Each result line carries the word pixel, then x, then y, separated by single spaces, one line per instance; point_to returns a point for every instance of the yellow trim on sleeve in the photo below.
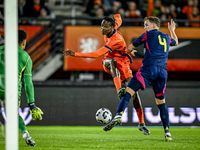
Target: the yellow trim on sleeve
pixel 20 76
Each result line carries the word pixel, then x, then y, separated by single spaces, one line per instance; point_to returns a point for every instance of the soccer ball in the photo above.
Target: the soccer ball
pixel 103 115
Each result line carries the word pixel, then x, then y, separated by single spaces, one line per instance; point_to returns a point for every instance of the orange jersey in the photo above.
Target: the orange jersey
pixel 187 10
pixel 115 43
pixel 194 24
pixel 115 47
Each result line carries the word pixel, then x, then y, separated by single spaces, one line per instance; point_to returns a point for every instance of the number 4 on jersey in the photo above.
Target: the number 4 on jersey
pixel 163 43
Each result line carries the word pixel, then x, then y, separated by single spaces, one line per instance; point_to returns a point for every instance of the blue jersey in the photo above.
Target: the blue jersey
pixel 156 46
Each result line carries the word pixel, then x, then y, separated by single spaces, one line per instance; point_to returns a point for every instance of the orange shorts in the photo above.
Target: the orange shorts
pixel 123 65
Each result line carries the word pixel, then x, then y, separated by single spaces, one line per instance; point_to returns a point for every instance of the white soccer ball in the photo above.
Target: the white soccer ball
pixel 103 115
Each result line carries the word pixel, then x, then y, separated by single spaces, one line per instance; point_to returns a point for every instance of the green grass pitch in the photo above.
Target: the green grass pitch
pixel 93 138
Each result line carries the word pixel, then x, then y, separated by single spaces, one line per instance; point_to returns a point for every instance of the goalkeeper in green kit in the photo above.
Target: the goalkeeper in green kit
pixel 25 70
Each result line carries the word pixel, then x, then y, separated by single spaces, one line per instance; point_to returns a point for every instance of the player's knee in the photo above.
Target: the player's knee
pixel 130 91
pixel 110 63
pixel 160 100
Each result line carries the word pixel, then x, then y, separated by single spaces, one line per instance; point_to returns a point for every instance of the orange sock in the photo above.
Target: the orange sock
pixel 117 82
pixel 140 115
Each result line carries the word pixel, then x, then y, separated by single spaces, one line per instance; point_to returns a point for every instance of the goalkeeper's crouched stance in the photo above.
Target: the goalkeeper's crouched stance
pixel 25 71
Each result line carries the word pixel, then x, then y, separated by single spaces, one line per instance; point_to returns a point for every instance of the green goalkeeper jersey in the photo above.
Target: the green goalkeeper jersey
pixel 24 69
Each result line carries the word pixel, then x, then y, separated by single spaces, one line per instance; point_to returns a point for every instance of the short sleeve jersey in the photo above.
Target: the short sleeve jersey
pixel 156 45
pixel 116 44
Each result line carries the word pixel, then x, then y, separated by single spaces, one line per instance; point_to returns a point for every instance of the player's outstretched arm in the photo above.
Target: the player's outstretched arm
pixel 95 54
pixel 172 27
pixel 130 49
pixel 68 52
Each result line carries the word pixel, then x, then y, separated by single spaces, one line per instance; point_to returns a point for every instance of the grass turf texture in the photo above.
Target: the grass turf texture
pixel 90 138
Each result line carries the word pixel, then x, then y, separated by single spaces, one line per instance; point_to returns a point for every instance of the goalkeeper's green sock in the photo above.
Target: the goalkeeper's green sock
pixel 22 126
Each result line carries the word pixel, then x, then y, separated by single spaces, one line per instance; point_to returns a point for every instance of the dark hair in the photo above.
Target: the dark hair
pixel 21 35
pixel 111 20
pixel 153 19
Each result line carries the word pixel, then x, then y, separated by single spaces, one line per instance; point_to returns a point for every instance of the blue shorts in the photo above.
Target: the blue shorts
pixel 156 76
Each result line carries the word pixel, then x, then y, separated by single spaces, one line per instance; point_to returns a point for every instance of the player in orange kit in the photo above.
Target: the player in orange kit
pixel 116 62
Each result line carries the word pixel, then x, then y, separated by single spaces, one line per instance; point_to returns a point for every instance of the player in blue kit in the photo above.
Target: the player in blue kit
pixel 153 71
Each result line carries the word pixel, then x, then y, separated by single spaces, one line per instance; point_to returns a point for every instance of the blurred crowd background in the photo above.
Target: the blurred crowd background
pixel 129 9
pixel 164 9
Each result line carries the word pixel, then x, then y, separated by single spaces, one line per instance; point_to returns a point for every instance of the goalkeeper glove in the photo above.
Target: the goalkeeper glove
pixel 36 112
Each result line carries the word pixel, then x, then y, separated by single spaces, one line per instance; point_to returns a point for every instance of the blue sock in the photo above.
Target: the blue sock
pixel 123 104
pixel 164 116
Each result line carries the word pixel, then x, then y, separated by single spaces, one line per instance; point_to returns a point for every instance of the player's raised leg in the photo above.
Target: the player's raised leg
pixel 118 118
pixel 117 121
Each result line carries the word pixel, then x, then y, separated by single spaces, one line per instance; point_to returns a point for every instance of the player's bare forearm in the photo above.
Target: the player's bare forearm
pixel 130 48
pixel 172 27
pixel 68 52
pixel 173 35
